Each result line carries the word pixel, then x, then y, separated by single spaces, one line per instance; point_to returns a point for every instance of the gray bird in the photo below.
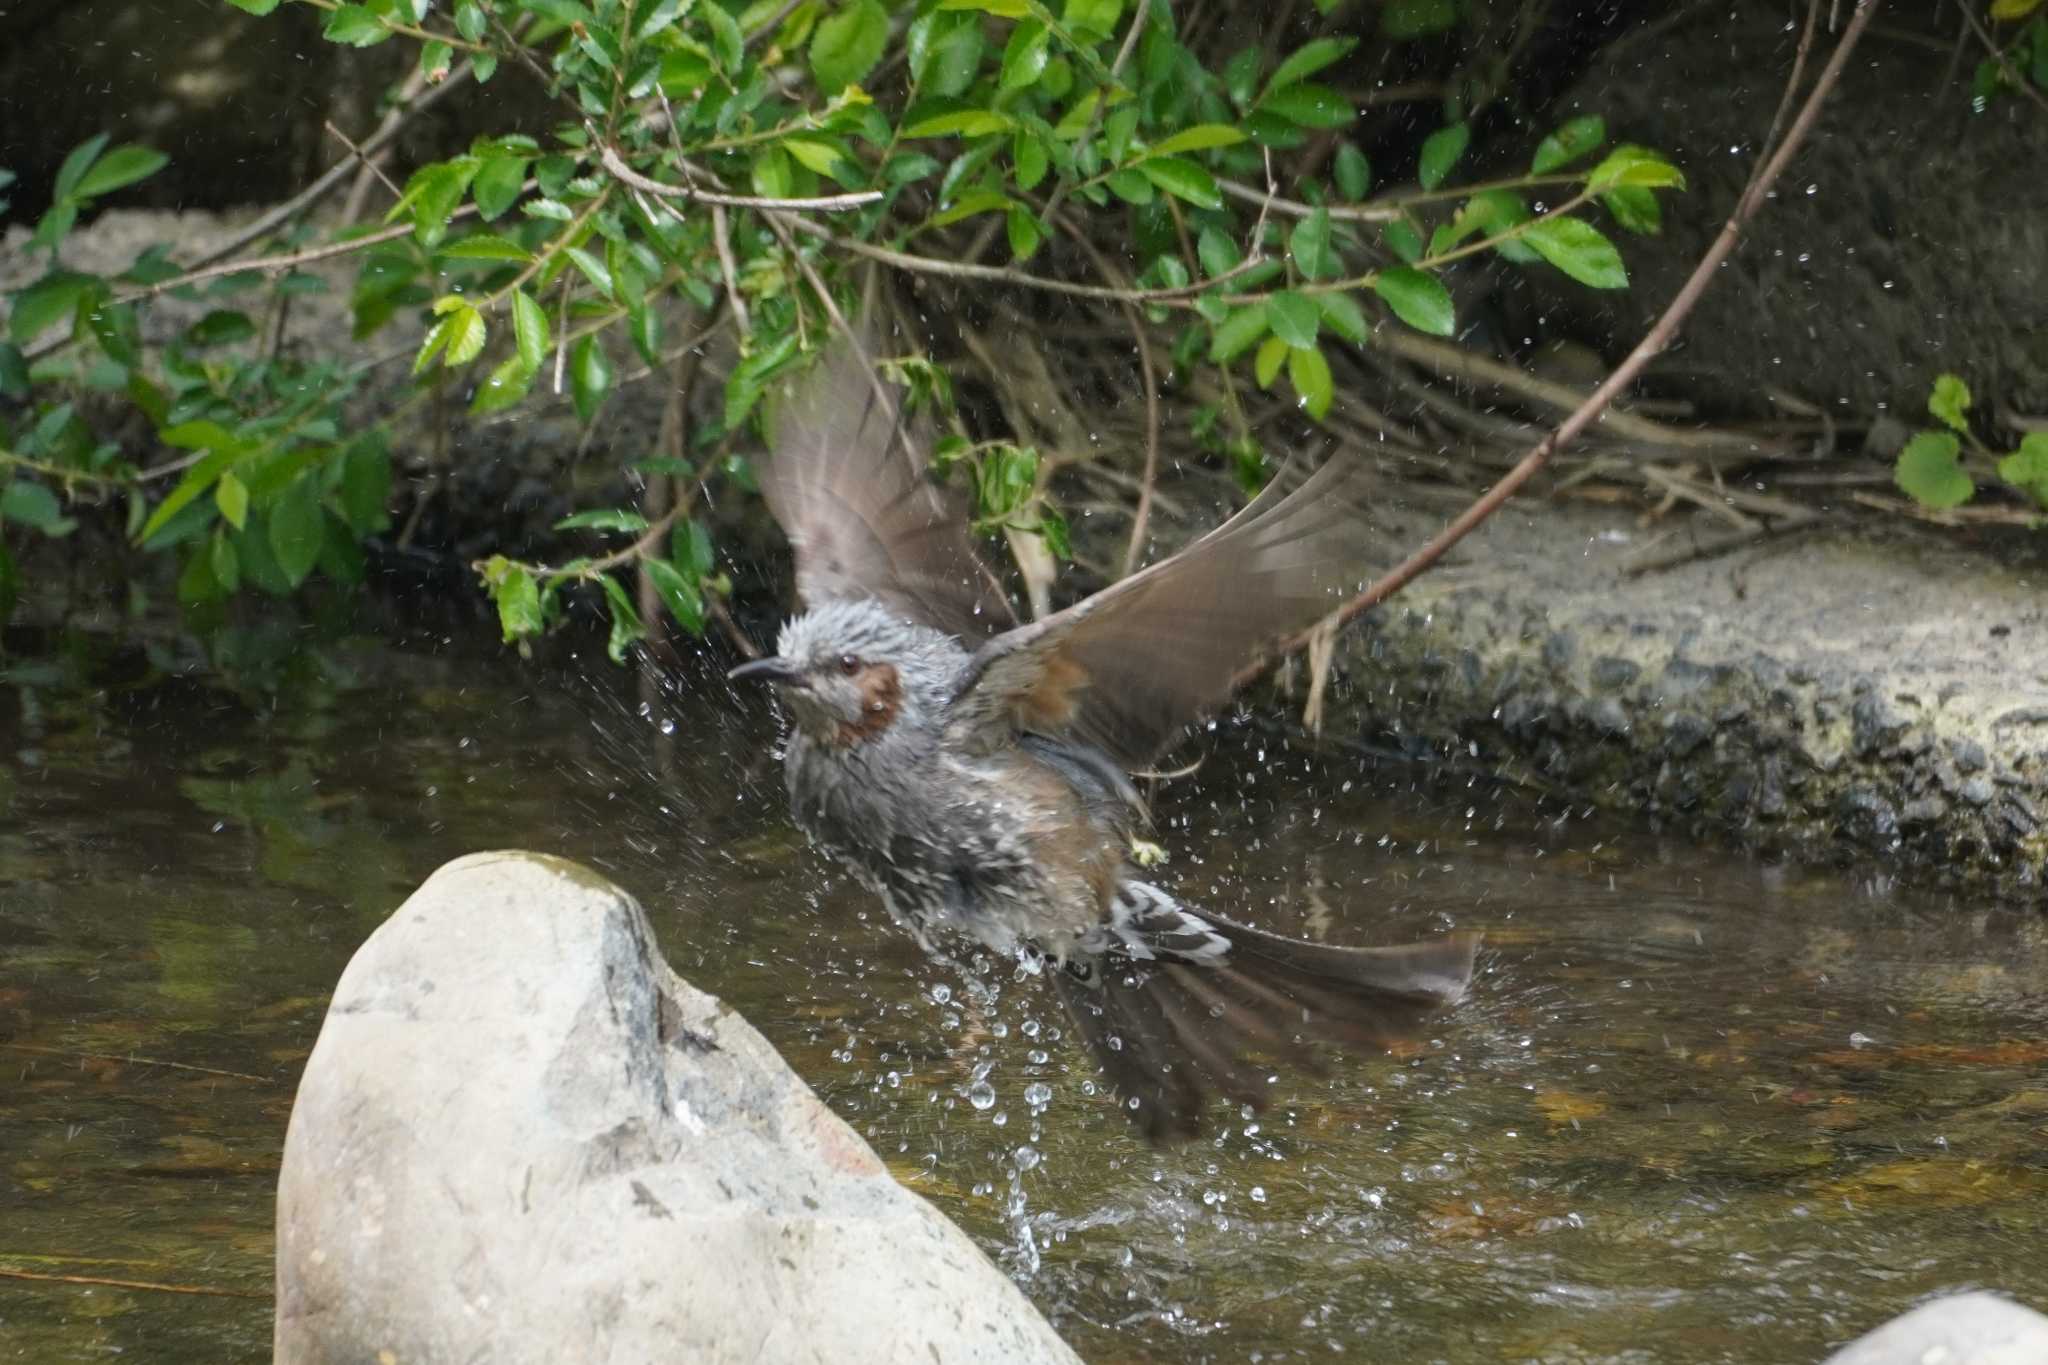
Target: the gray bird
pixel 973 772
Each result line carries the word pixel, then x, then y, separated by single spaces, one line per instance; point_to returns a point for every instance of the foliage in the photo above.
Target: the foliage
pixel 728 166
pixel 1933 468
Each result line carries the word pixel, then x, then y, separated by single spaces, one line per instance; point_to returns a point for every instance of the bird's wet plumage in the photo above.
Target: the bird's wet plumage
pixel 973 772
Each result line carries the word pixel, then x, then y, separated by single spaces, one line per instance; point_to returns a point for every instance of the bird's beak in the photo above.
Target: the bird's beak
pixel 771 669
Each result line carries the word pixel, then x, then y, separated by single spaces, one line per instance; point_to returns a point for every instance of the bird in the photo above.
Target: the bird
pixel 976 772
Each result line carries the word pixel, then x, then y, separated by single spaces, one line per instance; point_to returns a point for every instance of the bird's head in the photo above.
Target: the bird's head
pixel 852 672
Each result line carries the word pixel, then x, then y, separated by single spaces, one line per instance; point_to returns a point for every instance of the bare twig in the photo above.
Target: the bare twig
pixel 2005 66
pixel 288 261
pixel 151 1285
pixel 132 1060
pixel 721 236
pixel 965 270
pixel 1720 545
pixel 1658 337
pixel 369 167
pixel 1141 519
pixel 1454 362
pixel 827 203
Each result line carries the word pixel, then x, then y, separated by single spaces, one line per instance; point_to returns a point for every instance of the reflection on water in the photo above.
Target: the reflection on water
pixel 1697 1110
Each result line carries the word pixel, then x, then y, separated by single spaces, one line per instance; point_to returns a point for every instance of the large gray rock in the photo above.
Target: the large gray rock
pixel 521 1137
pixel 1962 1329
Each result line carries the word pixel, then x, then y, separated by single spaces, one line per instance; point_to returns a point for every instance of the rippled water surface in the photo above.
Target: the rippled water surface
pixel 1697 1109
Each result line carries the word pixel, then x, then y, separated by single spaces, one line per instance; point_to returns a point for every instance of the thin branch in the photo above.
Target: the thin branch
pixel 132 1060
pixel 721 237
pixel 1141 519
pixel 1139 13
pixel 289 261
pixel 369 167
pixel 1454 362
pixel 2005 66
pixel 151 1285
pixel 1658 337
pixel 964 270
pixel 1294 208
pixel 826 203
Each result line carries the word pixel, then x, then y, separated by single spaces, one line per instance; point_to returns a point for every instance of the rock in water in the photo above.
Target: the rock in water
pixel 521 1137
pixel 1961 1329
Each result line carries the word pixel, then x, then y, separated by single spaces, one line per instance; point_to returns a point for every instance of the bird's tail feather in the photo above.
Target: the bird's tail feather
pixel 1178 1005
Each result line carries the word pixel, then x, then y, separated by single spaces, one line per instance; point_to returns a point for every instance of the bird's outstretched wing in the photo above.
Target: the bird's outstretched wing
pixel 845 477
pixel 1127 669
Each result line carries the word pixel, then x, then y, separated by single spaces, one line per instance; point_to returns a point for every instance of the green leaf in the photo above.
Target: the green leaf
pixel 433 192
pixel 123 166
pixel 1200 138
pixel 486 246
pixel 1352 172
pixel 529 330
pixel 603 519
pixel 366 484
pixel 1441 151
pixel 1309 106
pixel 1024 231
pixel 221 327
pixel 945 53
pixel 509 381
pixel 1403 240
pixel 1627 165
pixel 517 596
pixel 1183 180
pixel 231 496
pixel 1310 375
pixel 14 379
pixel 1950 401
pixel 965 123
pixel 1309 245
pixel 1418 299
pixel 1029 157
pixel 2027 467
pixel 1342 315
pixel 197 480
pixel 1131 186
pixel 497 185
pixel 1577 248
pixel 1002 9
pixel 297 528
pixel 1635 209
pixel 1026 54
pixel 1308 59
pixel 48 301
pixel 1928 473
pixel 683 598
pixel 31 504
pixel 626 626
pixel 590 376
pixel 969 206
pixel 1403 20
pixel 76 164
pixel 259 8
pixel 689 545
pixel 845 46
pixel 1266 364
pixel 1236 333
pixel 1218 253
pixel 458 337
pixel 1293 317
pixel 684 71
pixel 355 25
pixel 726 42
pixel 1092 18
pixel 226 564
pixel 1572 140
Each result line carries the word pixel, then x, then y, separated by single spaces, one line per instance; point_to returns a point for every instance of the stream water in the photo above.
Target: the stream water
pixel 1697 1108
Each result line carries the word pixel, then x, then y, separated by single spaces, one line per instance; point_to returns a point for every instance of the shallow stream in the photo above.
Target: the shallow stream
pixel 1697 1109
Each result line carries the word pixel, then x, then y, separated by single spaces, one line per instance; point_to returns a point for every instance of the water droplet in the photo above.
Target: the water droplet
pixel 1038 1095
pixel 981 1095
pixel 1258 1194
pixel 1026 1157
pixel 942 993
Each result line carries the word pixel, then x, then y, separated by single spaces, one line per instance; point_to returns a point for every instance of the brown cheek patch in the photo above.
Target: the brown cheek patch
pixel 881 697
pixel 1049 706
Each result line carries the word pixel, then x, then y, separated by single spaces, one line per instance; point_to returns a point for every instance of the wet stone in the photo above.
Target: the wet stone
pixel 521 1137
pixel 1968 756
pixel 1607 716
pixel 1962 1329
pixel 1558 649
pixel 1685 732
pixel 1976 790
pixel 1611 673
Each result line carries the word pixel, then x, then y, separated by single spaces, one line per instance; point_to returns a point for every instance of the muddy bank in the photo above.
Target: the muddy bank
pixel 1881 703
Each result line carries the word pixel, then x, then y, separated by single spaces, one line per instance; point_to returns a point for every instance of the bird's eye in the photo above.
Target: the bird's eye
pixel 849 665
